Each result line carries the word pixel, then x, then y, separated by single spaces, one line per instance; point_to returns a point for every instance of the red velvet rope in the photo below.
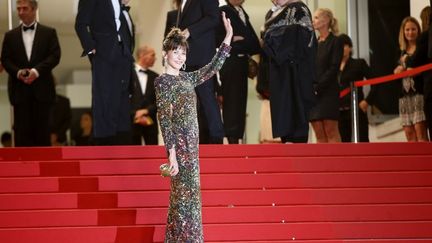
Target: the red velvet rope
pixel 387 78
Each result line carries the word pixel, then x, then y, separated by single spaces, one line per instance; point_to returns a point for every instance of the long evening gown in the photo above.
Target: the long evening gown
pixel 176 103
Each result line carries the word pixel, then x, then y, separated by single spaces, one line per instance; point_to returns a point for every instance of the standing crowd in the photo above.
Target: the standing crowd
pixel 304 62
pixel 300 73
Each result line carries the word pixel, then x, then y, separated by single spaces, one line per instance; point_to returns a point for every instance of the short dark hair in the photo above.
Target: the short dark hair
pixel 174 40
pixel 6 136
pixel 33 3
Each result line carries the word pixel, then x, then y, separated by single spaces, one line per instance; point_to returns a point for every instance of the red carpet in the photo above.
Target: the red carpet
pixel 252 193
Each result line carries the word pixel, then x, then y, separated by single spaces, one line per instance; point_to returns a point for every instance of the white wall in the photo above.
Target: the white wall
pixel 416 8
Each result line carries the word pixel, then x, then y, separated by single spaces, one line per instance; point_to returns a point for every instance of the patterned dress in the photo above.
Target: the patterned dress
pixel 176 103
pixel 411 104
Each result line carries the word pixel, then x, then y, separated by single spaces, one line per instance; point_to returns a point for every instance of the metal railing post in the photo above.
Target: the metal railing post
pixel 354 114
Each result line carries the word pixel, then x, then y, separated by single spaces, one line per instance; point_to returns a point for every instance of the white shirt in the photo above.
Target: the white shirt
pixel 183 4
pixel 28 39
pixel 128 20
pixel 142 77
pixel 116 6
pixel 241 14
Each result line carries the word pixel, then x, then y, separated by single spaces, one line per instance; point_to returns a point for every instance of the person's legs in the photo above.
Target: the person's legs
pixel 421 131
pixel 22 125
pixel 410 133
pixel 136 134
pixel 363 127
pixel 210 109
pixel 234 80
pixel 332 131
pixel 318 127
pixel 150 136
pixel 345 125
pixel 40 123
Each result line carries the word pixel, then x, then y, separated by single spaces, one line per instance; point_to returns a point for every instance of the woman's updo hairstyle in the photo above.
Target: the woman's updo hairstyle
pixel 175 39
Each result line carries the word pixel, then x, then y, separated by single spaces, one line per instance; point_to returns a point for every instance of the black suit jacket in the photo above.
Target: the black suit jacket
pixel 201 18
pixel 44 57
pixel 96 29
pixel 171 21
pixel 421 57
pixel 250 45
pixel 147 100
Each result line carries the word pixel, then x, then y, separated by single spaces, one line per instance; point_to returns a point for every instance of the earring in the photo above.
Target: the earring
pixel 184 66
pixel 163 62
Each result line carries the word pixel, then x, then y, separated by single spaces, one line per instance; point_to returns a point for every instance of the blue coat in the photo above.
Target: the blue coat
pixel 111 65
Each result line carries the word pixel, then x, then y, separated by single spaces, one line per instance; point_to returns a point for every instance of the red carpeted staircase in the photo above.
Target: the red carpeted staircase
pixel 251 193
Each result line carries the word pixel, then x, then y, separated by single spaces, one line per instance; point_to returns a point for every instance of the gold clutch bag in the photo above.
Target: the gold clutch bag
pixel 165 170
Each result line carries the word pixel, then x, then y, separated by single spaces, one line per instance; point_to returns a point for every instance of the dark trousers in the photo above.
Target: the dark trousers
pixel 345 126
pixel 120 138
pixel 209 118
pixel 149 134
pixel 31 123
pixel 110 96
pixel 234 78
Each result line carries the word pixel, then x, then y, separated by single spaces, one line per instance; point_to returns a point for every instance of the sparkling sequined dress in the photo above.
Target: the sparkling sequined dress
pixel 176 103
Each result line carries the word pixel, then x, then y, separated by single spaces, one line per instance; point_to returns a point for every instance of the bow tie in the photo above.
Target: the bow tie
pixel 124 7
pixel 143 71
pixel 31 27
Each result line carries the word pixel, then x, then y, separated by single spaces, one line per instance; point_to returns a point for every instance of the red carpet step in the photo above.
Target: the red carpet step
pixel 251 193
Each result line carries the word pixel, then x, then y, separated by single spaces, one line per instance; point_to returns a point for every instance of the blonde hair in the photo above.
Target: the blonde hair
pixel 403 43
pixel 425 17
pixel 333 22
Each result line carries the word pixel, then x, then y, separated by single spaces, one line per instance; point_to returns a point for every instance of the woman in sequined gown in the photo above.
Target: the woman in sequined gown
pixel 176 103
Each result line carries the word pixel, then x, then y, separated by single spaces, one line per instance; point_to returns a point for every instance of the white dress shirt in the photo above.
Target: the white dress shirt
pixel 116 6
pixel 129 21
pixel 117 9
pixel 28 39
pixel 241 14
pixel 142 77
pixel 183 4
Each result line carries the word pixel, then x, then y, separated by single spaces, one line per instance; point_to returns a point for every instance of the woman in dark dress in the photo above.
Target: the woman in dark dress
pixel 290 44
pixel 234 73
pixel 325 114
pixel 352 70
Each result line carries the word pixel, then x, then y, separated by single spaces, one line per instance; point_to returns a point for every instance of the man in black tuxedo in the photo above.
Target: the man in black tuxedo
pixel 234 73
pixel 29 54
pixel 143 99
pixel 105 30
pixel 199 19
